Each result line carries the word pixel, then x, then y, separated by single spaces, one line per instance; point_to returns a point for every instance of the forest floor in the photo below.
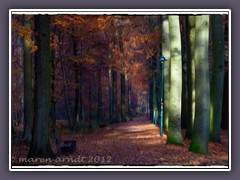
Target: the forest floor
pixel 135 142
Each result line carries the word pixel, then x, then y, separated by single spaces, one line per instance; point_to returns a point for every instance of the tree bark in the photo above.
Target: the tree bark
pixel 166 53
pixel 129 99
pixel 81 114
pixel 225 106
pixel 40 146
pixel 66 97
pixel 123 98
pixel 217 83
pixel 191 74
pixel 200 135
pixel 110 96
pixel 76 116
pixel 99 104
pixel 89 100
pixel 28 90
pixel 151 100
pixel 175 96
pixel 53 102
pixel 123 79
pixel 114 97
pixel 184 111
pixel 152 94
pixel 155 105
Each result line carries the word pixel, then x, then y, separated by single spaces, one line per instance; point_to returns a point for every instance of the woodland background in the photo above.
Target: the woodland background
pixel 102 70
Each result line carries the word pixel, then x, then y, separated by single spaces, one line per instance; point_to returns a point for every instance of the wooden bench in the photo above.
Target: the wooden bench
pixel 68 146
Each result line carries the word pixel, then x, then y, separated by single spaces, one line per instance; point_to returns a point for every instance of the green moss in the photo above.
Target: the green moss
pixel 174 138
pixel 197 148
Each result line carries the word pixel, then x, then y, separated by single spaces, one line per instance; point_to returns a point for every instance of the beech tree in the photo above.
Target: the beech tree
pixel 75 117
pixel 123 78
pixel 166 53
pixel 28 90
pixel 217 83
pixel 95 70
pixel 200 134
pixel 191 74
pixel 40 146
pixel 174 126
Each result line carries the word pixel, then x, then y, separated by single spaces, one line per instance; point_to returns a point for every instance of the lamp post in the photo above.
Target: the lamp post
pixel 162 59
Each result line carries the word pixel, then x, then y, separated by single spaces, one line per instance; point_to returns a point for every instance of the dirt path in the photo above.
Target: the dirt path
pixel 138 143
pixel 132 143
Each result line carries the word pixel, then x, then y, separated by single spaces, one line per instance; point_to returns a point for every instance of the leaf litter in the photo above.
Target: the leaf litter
pixel 133 143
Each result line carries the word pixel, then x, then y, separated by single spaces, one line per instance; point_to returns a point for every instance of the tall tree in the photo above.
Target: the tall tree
pixel 110 95
pixel 66 90
pixel 115 115
pixel 154 78
pixel 217 83
pixel 166 53
pixel 174 127
pixel 123 97
pixel 200 135
pixel 53 78
pixel 75 116
pixel 28 90
pixel 225 104
pixel 53 101
pixel 150 100
pixel 114 96
pixel 155 104
pixel 159 73
pixel 190 74
pixel 90 99
pixel 81 114
pixel 123 79
pixel 184 109
pixel 129 99
pixel 99 101
pixel 40 146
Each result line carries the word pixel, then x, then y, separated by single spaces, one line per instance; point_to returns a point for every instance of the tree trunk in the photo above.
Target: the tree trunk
pixel 123 80
pixel 158 89
pixel 151 100
pixel 75 117
pixel 155 106
pixel 129 99
pixel 174 129
pixel 184 111
pixel 217 83
pixel 53 102
pixel 81 115
pixel 166 53
pixel 158 76
pixel 40 146
pixel 99 104
pixel 114 97
pixel 191 74
pixel 200 135
pixel 110 96
pixel 123 98
pixel 28 90
pixel 66 98
pixel 89 100
pixel 225 106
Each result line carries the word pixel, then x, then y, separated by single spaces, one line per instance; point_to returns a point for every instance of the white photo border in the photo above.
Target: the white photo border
pixel 119 12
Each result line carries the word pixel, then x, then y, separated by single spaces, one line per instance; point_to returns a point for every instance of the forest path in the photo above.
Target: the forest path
pixel 138 142
pixel 131 143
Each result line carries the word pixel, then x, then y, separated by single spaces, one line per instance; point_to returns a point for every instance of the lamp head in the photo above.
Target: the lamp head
pixel 162 58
